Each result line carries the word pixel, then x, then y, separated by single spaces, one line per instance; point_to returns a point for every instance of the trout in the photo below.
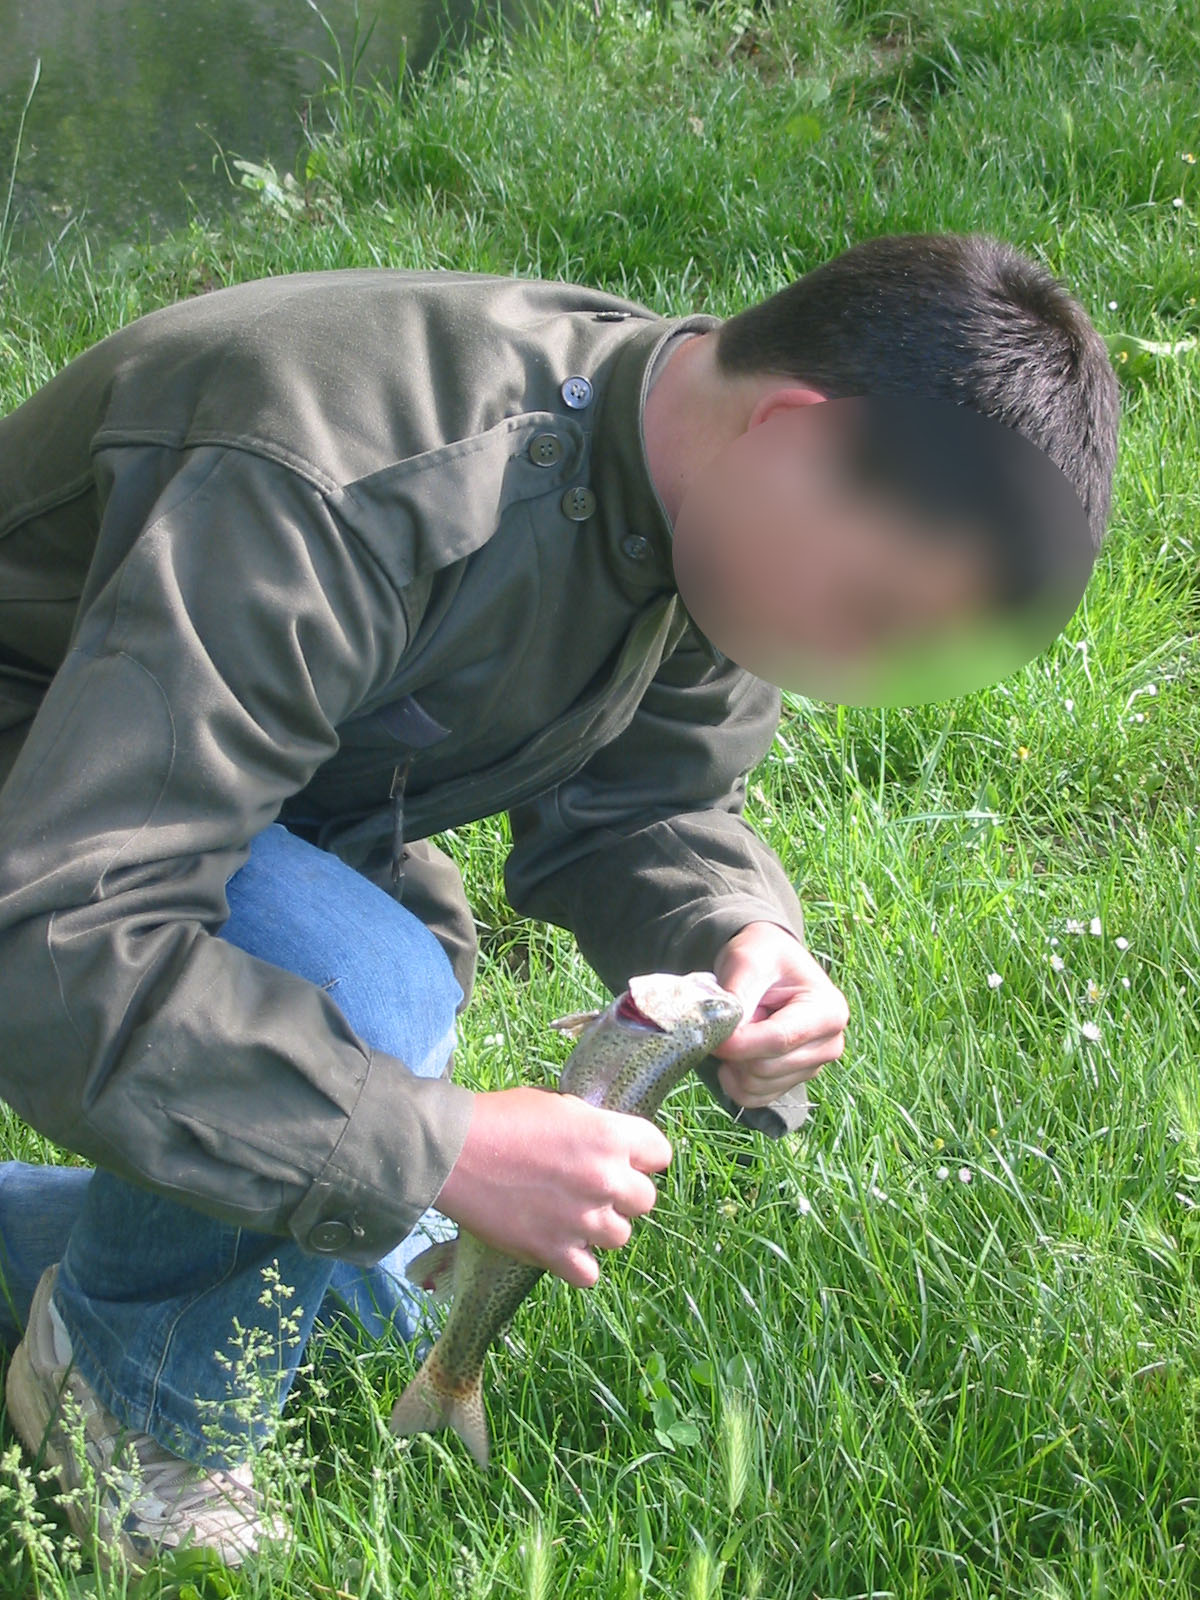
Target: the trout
pixel 628 1058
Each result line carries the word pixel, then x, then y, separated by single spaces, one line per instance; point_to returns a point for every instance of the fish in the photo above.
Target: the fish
pixel 628 1058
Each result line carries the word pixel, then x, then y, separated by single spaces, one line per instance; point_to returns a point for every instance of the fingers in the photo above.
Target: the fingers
pixel 795 1017
pixel 628 1192
pixel 802 1062
pixel 761 1089
pixel 623 1151
pixel 579 1267
pixel 766 1074
pixel 649 1147
pixel 632 1194
pixel 801 1030
pixel 550 1179
pixel 609 1230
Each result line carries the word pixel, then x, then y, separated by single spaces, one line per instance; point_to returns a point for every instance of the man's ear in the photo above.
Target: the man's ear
pixel 782 399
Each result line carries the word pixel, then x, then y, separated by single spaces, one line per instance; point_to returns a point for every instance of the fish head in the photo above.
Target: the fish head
pixel 646 1039
pixel 668 1003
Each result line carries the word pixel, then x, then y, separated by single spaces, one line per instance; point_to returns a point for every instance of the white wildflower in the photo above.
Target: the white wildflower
pixel 1122 943
pixel 1074 925
pixel 964 1174
pixel 1091 1031
pixel 994 980
pixel 942 1174
pixel 1057 962
pixel 1094 927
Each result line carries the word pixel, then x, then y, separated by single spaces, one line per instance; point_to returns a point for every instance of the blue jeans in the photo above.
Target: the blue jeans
pixel 171 1318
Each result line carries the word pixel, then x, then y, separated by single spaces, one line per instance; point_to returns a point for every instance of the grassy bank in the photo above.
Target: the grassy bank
pixel 944 1344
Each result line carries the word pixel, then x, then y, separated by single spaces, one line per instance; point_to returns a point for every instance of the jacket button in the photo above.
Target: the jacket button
pixel 545 449
pixel 576 393
pixel 329 1237
pixel 578 503
pixel 610 316
pixel 635 547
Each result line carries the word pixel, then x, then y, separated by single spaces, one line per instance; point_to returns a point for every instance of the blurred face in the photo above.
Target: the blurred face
pixel 808 581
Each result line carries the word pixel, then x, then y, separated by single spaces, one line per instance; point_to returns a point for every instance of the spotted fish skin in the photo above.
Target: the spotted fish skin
pixel 628 1058
pixel 448 1390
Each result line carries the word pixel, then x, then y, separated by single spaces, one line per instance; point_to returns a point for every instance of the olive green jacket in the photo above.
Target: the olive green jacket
pixel 266 554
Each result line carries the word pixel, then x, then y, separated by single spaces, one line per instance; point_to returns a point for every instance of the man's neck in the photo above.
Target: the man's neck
pixel 692 412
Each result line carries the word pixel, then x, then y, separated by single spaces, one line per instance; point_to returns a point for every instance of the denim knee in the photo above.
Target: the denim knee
pixel 400 994
pixel 299 907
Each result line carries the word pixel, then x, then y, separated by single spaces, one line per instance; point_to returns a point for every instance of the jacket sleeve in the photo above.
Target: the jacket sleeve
pixel 644 855
pixel 208 672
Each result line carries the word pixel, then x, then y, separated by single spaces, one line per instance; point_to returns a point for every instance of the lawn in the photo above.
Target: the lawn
pixel 944 1342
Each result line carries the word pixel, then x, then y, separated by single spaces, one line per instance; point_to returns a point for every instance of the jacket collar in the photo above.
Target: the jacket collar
pixel 627 499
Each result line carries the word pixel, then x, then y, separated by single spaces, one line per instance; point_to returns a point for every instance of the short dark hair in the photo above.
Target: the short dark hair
pixel 958 317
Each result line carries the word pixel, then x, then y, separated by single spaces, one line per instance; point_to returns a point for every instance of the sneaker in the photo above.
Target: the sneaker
pixel 128 1492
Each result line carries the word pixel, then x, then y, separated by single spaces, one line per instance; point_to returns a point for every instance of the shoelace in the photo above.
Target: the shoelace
pixel 226 1495
pixel 237 1506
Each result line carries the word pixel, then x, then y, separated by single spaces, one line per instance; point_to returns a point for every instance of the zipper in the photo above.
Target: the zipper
pixel 396 803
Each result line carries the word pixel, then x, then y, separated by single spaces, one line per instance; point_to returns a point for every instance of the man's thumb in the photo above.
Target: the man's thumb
pixel 747 972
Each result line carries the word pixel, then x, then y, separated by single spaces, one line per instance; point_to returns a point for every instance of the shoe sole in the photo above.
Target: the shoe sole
pixel 28 1409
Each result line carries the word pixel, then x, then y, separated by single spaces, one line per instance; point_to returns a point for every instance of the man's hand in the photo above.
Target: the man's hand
pixel 794 1016
pixel 549 1179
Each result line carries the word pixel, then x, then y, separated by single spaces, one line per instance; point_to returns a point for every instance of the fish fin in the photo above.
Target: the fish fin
pixel 433 1269
pixel 422 1408
pixel 575 1023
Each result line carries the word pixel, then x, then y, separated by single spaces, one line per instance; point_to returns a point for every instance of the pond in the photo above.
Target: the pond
pixel 137 99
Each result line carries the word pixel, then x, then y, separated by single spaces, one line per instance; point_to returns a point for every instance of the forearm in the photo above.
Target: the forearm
pixel 223 1081
pixel 193 702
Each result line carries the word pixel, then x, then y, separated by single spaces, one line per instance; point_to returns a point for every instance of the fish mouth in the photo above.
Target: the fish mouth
pixel 628 1013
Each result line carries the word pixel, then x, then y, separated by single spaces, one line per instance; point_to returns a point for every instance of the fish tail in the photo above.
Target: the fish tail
pixel 424 1408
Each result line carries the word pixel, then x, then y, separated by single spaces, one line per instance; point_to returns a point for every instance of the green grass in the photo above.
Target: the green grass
pixel 833 1367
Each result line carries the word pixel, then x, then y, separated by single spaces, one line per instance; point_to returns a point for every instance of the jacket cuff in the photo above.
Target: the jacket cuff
pixel 396 1151
pixel 781 1117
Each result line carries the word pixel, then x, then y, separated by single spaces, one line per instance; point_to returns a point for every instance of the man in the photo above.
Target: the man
pixel 306 570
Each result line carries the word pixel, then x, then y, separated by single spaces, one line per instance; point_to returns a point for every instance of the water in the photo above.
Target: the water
pixel 138 97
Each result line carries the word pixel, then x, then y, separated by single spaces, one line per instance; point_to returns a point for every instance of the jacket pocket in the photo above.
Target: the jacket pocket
pixel 425 513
